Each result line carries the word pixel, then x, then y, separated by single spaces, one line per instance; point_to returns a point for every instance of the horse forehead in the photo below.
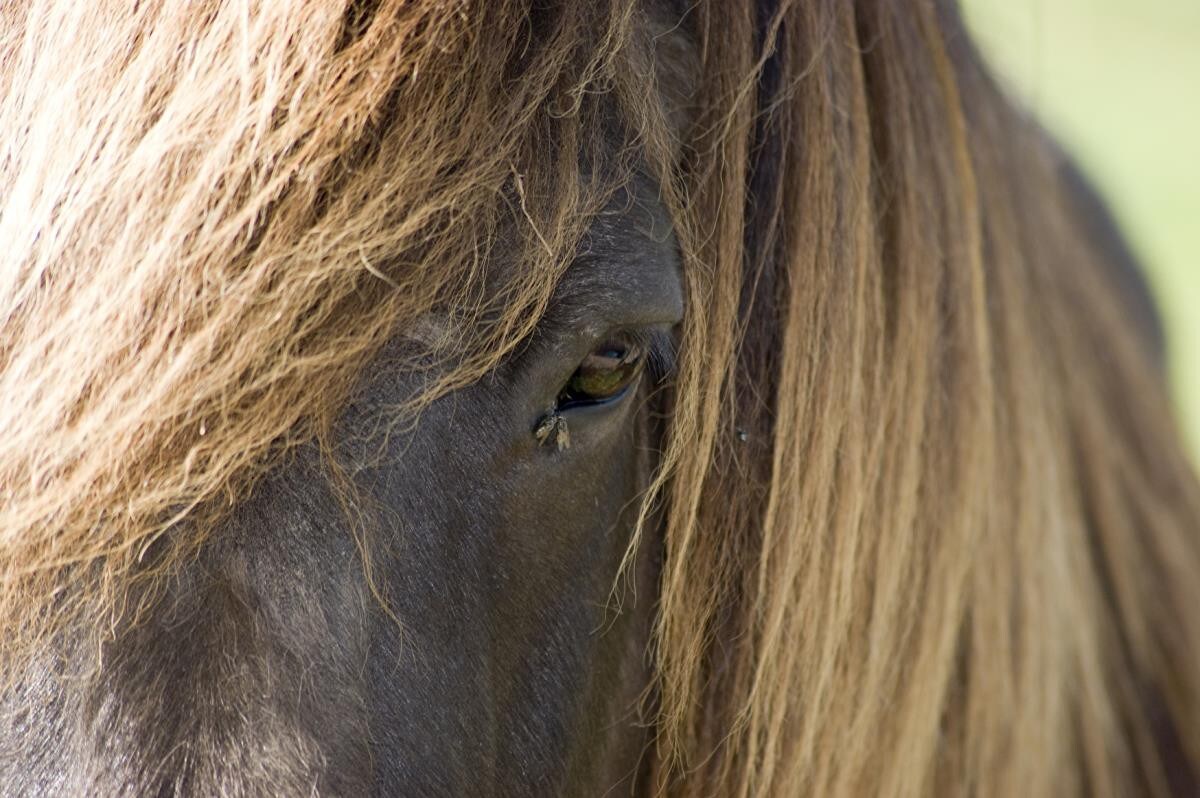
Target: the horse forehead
pixel 676 61
pixel 432 330
pixel 629 247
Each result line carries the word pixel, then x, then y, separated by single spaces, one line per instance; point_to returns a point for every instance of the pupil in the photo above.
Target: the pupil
pixel 603 374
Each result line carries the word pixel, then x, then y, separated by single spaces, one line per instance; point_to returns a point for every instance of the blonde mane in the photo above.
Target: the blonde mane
pixel 929 526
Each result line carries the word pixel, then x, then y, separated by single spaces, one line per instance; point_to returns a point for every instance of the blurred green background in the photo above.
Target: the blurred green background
pixel 1118 81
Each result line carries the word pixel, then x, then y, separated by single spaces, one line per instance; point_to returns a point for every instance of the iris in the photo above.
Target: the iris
pixel 603 375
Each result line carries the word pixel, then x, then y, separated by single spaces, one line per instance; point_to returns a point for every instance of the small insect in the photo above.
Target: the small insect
pixel 553 426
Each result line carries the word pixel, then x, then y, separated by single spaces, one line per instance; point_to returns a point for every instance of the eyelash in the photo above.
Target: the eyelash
pixel 659 347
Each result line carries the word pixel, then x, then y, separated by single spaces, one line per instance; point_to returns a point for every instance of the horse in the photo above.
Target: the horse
pixel 506 397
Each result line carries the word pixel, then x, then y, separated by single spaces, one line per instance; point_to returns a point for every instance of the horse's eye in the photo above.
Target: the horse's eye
pixel 603 375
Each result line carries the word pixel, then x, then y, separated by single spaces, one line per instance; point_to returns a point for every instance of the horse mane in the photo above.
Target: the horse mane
pixel 929 525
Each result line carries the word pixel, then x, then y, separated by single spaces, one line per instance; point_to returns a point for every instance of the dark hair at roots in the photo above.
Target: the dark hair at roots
pixel 956 552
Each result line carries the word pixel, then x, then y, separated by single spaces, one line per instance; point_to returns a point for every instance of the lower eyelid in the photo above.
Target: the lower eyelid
pixel 607 401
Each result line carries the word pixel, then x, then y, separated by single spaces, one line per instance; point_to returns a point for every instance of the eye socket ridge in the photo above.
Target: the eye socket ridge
pixel 607 373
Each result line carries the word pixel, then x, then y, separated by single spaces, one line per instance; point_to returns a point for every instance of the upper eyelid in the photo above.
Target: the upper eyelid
pixel 659 347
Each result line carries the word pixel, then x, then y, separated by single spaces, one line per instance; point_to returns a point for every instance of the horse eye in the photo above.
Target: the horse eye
pixel 603 375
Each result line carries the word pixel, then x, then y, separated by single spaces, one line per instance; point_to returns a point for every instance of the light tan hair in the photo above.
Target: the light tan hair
pixel 929 526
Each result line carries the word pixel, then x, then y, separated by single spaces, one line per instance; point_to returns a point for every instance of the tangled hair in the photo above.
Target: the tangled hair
pixel 957 550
